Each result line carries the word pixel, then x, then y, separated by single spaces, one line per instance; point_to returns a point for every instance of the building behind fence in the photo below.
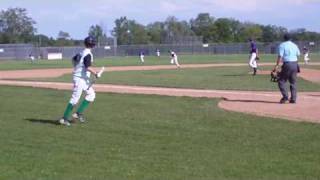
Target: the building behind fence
pixel 25 51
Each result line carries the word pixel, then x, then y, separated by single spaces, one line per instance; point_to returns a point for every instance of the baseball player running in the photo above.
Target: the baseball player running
pixel 174 58
pixel 81 82
pixel 253 56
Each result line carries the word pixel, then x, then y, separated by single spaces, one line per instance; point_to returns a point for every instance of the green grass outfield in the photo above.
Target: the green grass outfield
pixel 218 78
pixel 149 60
pixel 149 137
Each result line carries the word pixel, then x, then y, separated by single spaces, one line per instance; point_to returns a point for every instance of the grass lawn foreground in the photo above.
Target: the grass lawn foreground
pixel 149 137
pixel 153 137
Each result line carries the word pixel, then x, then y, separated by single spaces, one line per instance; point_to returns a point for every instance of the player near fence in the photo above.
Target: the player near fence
pixel 141 55
pixel 174 58
pixel 254 56
pixel 158 53
pixel 32 59
pixel 306 58
pixel 82 70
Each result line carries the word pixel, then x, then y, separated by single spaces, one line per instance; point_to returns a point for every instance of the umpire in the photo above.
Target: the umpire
pixel 288 54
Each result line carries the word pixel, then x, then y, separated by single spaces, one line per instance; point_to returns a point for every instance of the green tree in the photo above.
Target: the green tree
pixel 42 40
pixel 122 31
pixel 268 33
pixel 235 29
pixel 202 25
pixel 156 32
pixel 212 30
pixel 97 32
pixel 139 34
pixel 175 30
pixel 63 35
pixel 222 30
pixel 16 26
pixel 271 33
pixel 64 39
pixel 130 32
pixel 251 30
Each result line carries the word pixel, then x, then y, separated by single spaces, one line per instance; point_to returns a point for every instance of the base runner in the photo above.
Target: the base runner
pixel 81 82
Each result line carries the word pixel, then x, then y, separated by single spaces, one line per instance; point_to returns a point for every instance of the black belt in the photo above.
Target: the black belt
pixel 290 62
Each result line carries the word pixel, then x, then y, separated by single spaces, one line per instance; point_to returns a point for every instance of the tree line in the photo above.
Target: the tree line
pixel 17 27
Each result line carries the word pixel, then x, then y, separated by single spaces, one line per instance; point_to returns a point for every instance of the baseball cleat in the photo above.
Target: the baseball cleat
pixel 79 117
pixel 283 100
pixel 254 71
pixel 62 121
pixel 292 101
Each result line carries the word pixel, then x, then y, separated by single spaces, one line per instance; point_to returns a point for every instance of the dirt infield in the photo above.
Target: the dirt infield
pixel 258 103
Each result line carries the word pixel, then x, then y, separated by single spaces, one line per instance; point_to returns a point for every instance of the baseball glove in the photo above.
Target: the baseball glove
pixel 275 75
pixel 257 58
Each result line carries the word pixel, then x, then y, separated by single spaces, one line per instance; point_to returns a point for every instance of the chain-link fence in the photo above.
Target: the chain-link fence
pixel 15 51
pixel 25 51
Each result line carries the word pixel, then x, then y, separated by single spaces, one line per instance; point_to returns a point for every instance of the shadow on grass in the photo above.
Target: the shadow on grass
pixel 250 101
pixel 42 121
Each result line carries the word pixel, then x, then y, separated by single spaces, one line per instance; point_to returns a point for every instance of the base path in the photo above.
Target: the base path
pixel 252 102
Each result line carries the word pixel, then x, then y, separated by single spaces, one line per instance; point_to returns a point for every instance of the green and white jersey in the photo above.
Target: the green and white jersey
pixel 80 68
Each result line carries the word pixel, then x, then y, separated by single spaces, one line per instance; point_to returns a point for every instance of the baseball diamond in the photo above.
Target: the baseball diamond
pixel 124 124
pixel 176 90
pixel 235 101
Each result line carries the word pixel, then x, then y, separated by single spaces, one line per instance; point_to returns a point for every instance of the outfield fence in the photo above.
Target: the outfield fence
pixel 25 51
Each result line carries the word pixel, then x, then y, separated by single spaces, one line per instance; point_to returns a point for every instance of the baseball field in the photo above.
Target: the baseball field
pixel 211 119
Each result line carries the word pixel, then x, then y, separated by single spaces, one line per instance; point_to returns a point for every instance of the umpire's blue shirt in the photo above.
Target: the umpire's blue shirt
pixel 289 51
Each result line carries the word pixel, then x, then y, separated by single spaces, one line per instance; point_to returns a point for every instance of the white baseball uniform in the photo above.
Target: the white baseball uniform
pixel 252 61
pixel 253 55
pixel 174 59
pixel 81 78
pixel 306 55
pixel 142 57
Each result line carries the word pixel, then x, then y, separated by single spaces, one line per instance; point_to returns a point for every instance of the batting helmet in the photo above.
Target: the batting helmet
pixel 89 42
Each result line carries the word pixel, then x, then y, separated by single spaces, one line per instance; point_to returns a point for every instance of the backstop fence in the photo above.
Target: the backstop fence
pixel 26 51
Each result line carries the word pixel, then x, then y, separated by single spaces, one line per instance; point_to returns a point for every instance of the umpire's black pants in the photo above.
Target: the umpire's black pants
pixel 288 72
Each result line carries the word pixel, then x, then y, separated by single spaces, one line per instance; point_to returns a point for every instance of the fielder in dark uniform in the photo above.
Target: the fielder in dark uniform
pixel 288 54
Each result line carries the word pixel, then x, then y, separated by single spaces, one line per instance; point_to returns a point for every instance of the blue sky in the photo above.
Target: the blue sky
pixel 76 16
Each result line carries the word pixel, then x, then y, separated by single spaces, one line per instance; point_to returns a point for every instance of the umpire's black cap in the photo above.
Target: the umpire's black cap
pixel 287 37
